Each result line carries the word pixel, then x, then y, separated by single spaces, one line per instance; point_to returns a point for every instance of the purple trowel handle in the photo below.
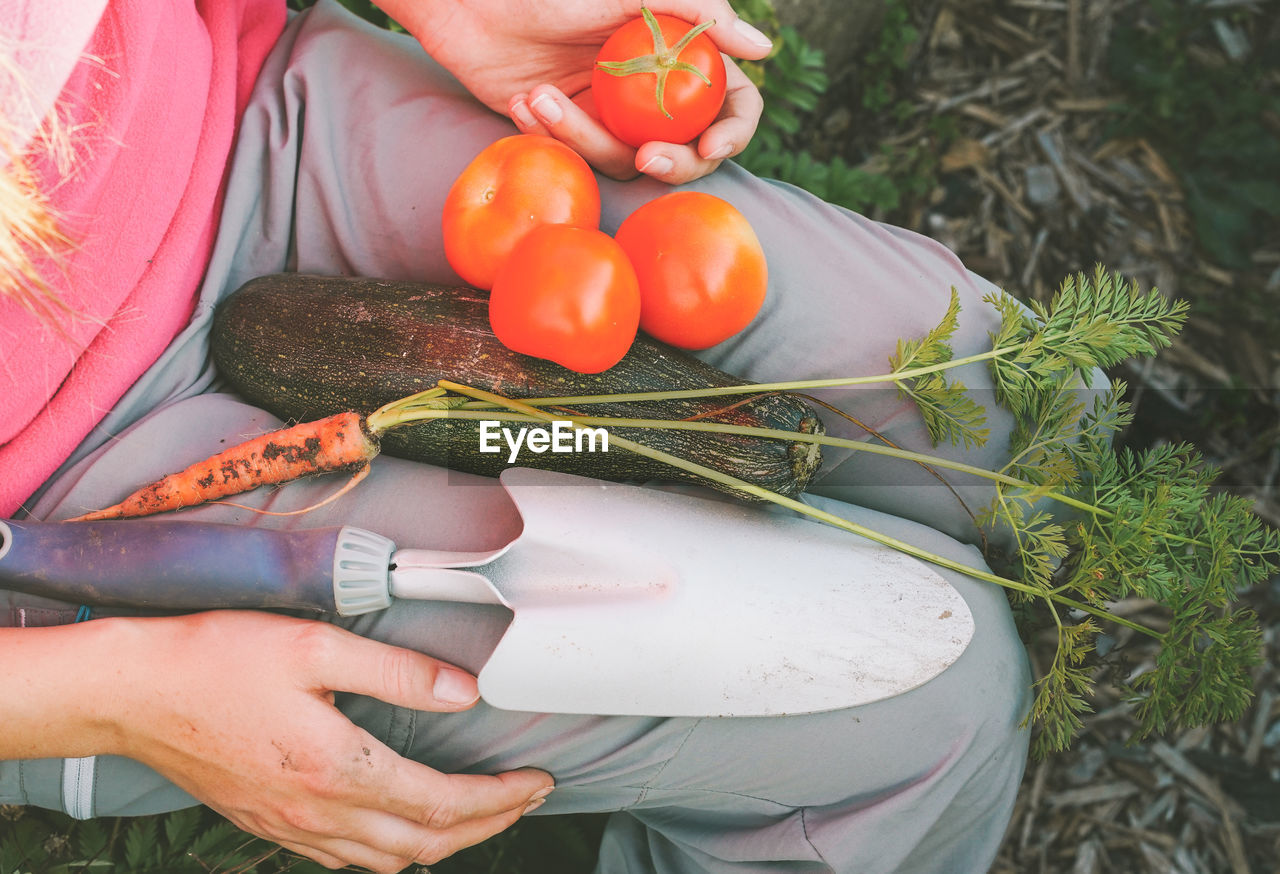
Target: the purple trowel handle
pixel 174 565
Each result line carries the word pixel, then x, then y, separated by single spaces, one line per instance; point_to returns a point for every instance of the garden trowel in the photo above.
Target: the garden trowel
pixel 625 599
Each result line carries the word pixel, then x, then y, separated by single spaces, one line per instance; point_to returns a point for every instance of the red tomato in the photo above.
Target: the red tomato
pixel 511 187
pixel 680 102
pixel 701 269
pixel 569 295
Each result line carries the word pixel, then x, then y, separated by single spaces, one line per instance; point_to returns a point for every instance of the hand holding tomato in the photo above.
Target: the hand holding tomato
pixel 658 78
pixel 533 60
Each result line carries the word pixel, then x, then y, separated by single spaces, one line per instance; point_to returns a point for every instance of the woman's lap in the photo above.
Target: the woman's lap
pixel 858 788
pixel 344 160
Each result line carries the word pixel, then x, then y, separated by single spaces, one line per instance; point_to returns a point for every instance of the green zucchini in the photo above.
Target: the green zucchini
pixel 303 347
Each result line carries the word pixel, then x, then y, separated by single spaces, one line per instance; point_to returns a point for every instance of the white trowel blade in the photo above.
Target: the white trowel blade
pixel 630 600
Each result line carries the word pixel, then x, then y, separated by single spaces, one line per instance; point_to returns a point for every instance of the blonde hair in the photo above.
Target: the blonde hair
pixel 32 240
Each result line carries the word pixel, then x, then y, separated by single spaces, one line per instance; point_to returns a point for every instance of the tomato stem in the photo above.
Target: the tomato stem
pixel 663 60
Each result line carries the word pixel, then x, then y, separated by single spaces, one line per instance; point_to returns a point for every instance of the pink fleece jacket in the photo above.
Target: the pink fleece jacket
pixel 152 100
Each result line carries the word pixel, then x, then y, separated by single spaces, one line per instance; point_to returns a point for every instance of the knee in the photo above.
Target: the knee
pixel 986 694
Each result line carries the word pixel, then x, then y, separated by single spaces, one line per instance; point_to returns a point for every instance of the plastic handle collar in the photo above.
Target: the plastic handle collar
pixel 361 567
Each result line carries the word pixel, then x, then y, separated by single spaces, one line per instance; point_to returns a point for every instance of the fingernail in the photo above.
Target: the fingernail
pixel 537 799
pixel 752 35
pixel 455 687
pixel 520 112
pixel 546 108
pixel 723 152
pixel 658 165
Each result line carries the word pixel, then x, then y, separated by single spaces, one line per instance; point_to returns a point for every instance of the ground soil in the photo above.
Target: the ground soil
pixel 1027 187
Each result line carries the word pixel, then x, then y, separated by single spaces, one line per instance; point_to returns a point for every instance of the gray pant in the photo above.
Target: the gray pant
pixel 345 155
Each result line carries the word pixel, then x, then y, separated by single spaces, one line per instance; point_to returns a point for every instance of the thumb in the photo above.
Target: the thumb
pixel 347 662
pixel 731 34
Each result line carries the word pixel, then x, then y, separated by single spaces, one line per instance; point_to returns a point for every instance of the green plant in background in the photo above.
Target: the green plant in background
pixel 835 181
pixel 793 80
pixel 1206 118
pixel 887 58
pixel 196 840
pixel 366 9
pixel 191 841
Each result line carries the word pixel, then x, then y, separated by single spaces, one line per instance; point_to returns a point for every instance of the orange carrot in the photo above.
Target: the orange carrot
pixel 340 442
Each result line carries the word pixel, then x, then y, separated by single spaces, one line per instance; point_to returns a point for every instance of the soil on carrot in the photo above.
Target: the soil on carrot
pixel 337 443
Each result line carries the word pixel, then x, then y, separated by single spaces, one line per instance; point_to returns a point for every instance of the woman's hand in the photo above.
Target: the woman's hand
pixel 237 708
pixel 532 59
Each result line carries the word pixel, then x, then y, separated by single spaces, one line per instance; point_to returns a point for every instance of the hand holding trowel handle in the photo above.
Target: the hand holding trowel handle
pixel 273 755
pixel 603 622
pixel 599 626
